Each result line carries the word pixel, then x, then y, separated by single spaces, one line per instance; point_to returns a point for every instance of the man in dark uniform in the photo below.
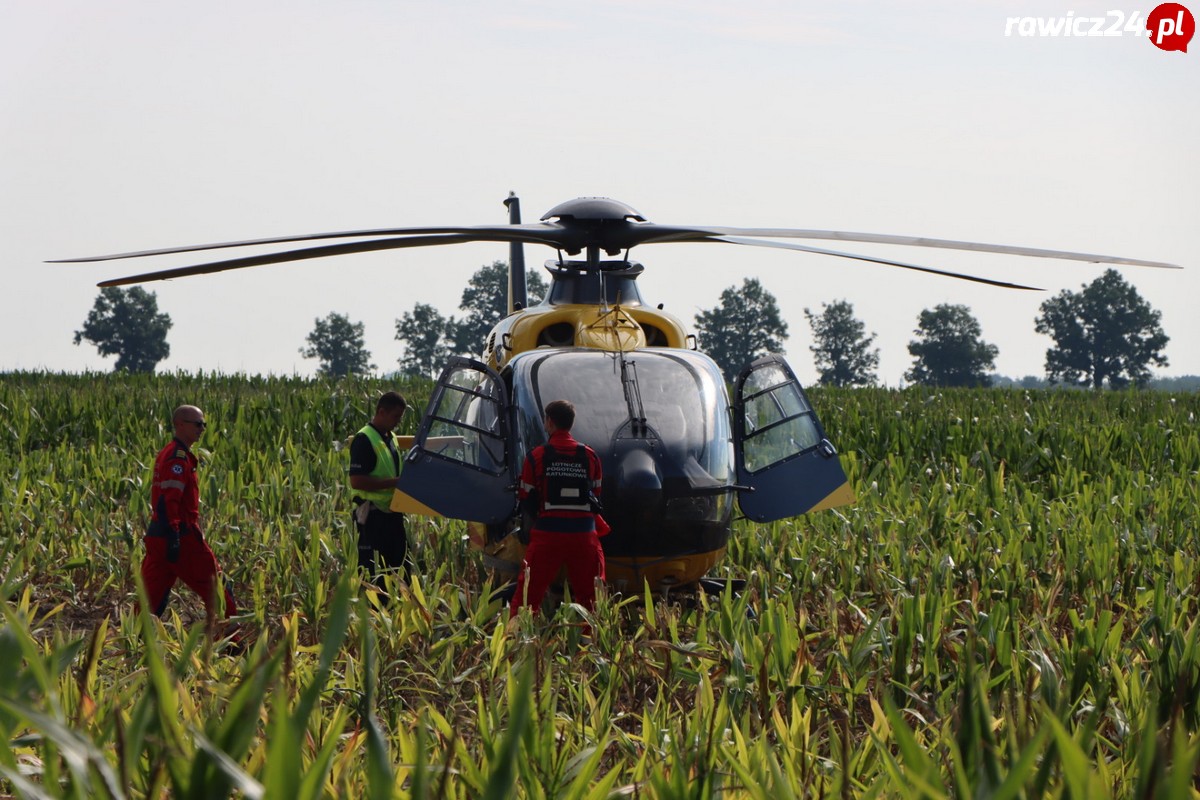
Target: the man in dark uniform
pixel 175 546
pixel 560 481
pixel 374 469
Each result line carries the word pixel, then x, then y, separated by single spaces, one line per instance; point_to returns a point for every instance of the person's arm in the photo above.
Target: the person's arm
pixel 597 472
pixel 528 499
pixel 362 464
pixel 171 485
pixel 527 493
pixel 597 476
pixel 368 483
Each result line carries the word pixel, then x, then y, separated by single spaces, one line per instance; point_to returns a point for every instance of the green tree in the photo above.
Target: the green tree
pixel 949 350
pixel 746 325
pixel 1104 334
pixel 425 334
pixel 338 343
pixel 842 350
pixel 126 323
pixel 486 302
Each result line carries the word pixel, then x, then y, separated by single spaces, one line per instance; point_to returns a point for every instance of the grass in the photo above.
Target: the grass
pixel 1010 610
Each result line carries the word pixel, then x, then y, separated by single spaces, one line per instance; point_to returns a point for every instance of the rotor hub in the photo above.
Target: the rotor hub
pixel 599 209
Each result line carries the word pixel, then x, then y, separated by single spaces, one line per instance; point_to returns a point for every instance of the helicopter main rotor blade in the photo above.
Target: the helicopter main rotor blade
pixel 292 255
pixel 873 259
pixel 920 241
pixel 594 225
pixel 537 233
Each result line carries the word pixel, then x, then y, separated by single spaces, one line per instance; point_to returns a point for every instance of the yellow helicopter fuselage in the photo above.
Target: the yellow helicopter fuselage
pixel 611 328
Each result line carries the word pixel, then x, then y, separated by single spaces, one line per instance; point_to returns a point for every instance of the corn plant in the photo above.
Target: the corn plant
pixel 1009 610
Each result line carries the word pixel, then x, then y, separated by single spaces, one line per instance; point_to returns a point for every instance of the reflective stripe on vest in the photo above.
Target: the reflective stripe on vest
pixel 385 467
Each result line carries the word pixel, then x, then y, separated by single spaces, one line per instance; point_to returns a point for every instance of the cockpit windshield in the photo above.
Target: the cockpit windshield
pixel 680 395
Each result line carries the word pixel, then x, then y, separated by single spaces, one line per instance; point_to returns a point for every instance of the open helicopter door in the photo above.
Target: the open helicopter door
pixel 783 458
pixel 459 466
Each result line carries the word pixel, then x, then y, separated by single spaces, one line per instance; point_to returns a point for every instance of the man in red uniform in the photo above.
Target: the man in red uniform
pixel 175 547
pixel 559 483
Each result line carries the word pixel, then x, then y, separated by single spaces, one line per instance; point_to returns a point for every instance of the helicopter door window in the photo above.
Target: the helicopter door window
pixel 779 421
pixel 458 466
pixel 465 423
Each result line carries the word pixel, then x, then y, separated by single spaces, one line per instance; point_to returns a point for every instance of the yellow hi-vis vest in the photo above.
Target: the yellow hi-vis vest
pixel 385 467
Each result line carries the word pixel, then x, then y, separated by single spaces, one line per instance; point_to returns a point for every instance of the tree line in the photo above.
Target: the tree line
pixel 1105 335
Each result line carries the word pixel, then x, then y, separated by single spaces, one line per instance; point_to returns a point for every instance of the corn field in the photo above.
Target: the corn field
pixel 1009 611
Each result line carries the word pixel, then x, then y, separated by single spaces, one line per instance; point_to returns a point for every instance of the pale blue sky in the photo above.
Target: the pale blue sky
pixel 132 124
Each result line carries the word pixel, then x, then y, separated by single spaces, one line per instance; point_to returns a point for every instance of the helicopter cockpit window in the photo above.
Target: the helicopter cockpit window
pixel 681 396
pixel 465 423
pixel 616 284
pixel 779 421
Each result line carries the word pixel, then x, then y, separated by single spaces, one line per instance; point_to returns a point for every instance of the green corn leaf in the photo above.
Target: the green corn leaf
pixel 229 769
pixel 504 766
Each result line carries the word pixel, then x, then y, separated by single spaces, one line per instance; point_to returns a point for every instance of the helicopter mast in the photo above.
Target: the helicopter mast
pixel 517 297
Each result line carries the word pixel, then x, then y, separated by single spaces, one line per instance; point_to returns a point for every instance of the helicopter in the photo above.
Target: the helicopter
pixel 679 449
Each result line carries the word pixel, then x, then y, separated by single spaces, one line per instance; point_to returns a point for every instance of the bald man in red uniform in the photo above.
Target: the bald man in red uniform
pixel 175 547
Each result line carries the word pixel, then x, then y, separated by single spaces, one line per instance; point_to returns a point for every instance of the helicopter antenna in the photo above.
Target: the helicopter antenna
pixel 517 292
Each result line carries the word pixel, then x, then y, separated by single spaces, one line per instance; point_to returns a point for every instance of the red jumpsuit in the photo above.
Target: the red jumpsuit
pixel 175 499
pixel 559 536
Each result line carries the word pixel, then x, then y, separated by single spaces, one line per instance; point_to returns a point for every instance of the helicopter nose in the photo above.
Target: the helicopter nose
pixel 638 481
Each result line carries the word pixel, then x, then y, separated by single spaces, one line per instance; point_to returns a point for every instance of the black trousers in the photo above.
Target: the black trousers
pixel 382 542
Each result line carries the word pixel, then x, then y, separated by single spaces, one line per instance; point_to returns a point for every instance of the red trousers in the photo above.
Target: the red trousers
pixel 546 554
pixel 196 567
